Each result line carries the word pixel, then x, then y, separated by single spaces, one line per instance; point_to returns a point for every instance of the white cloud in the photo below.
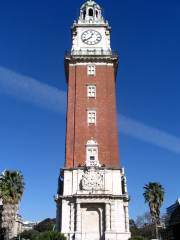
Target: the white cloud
pixel 31 90
pixel 148 134
pixel 43 95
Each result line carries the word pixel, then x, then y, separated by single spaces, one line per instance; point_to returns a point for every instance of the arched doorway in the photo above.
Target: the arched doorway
pixel 92 221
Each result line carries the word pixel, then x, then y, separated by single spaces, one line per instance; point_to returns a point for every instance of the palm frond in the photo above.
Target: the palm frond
pixel 11 186
pixel 154 196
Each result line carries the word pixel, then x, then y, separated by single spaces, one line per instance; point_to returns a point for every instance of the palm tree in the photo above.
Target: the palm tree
pixel 51 236
pixel 154 196
pixel 11 191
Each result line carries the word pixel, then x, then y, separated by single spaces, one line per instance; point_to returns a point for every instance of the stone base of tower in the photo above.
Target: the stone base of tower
pixel 93 204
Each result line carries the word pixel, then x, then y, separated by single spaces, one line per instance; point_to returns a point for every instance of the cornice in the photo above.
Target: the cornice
pixel 74 59
pixel 99 168
pixel 94 196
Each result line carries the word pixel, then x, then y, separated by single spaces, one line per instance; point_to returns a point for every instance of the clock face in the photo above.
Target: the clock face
pixel 91 37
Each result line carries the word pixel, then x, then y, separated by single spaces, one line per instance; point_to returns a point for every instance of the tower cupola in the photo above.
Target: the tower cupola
pixel 90 12
pixel 91 33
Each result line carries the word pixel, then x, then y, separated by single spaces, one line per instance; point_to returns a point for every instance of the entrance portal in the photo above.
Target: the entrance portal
pixel 92 221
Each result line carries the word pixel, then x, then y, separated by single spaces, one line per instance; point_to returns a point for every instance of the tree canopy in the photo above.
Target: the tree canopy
pixel 11 186
pixel 154 196
pixel 50 236
pixel 30 234
pixel 46 225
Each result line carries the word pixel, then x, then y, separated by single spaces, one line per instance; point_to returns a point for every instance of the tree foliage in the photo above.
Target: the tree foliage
pixel 30 234
pixel 35 235
pixel 50 236
pixel 11 187
pixel 139 238
pixel 143 220
pixel 46 225
pixel 154 196
pixel 142 228
pixel 11 191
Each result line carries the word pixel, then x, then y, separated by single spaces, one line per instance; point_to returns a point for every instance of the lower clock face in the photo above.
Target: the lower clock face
pixel 91 37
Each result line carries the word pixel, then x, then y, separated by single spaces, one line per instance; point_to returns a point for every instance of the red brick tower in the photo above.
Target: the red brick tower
pixel 91 112
pixel 92 200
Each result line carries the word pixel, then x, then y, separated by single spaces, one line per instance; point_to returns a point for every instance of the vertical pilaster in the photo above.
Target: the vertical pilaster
pixel 78 217
pixel 126 218
pixel 113 217
pixel 108 226
pixel 72 217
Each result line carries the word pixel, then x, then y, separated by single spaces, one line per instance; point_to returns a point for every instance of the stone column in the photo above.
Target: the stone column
pixel 108 217
pixel 78 217
pixel 72 217
pixel 113 217
pixel 126 218
pixel 125 184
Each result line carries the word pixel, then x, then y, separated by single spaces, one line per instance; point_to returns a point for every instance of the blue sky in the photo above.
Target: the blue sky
pixel 34 36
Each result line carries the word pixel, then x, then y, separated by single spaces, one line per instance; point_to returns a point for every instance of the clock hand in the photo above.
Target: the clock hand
pixel 89 37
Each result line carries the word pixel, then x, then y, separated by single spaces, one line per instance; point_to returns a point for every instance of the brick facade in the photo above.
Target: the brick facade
pixel 105 130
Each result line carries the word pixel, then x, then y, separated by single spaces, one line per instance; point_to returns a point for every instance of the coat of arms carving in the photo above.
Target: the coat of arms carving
pixel 92 180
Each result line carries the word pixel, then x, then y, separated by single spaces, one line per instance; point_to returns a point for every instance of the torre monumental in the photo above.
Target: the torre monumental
pixel 92 199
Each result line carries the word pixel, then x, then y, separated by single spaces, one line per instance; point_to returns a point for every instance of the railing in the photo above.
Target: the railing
pixel 92 52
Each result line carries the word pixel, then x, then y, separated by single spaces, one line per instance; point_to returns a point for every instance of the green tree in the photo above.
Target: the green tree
pixel 143 220
pixel 46 225
pixel 30 234
pixel 142 228
pixel 133 228
pixel 50 236
pixel 11 191
pixel 139 238
pixel 154 196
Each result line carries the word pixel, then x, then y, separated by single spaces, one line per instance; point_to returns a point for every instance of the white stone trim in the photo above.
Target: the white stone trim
pixel 91 90
pixel 90 63
pixel 115 204
pixel 91 117
pixel 91 69
pixel 78 217
pixel 108 224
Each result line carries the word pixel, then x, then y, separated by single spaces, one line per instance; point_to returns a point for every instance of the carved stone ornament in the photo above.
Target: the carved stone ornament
pixel 92 180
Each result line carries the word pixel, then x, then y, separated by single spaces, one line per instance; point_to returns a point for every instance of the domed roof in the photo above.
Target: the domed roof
pixel 90 3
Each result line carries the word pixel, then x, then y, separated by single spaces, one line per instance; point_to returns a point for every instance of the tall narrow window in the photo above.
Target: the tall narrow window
pixel 91 91
pixel 91 12
pixel 91 70
pixel 96 13
pixel 84 14
pixel 91 117
pixel 92 153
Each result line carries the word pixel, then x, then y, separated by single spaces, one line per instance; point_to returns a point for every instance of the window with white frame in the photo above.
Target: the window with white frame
pixel 91 91
pixel 92 153
pixel 91 70
pixel 91 117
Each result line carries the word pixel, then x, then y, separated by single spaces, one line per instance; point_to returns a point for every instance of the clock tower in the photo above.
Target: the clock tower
pixel 92 199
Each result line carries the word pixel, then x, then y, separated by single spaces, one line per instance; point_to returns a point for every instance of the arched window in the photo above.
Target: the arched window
pixel 124 184
pixel 96 14
pixel 91 13
pixel 92 153
pixel 84 14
